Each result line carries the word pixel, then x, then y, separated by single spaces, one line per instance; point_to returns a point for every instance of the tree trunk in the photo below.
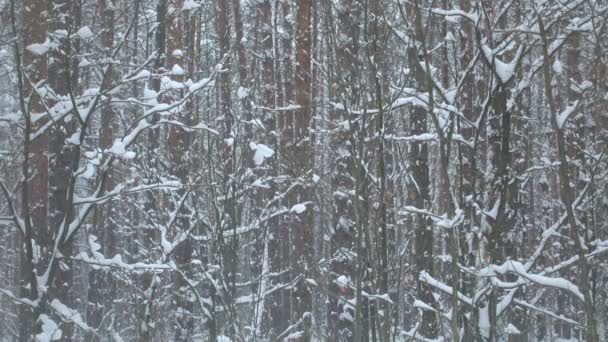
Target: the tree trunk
pixel 301 164
pixel 35 166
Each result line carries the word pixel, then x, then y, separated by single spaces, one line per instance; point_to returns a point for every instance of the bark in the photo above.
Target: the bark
pixel 106 230
pixel 342 242
pixel 301 165
pixel 566 193
pixel 35 164
pixel 418 188
pixel 376 45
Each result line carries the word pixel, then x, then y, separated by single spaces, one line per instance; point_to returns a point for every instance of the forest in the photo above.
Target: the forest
pixel 304 170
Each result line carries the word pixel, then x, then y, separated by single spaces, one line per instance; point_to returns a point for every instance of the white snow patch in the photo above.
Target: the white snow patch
pixel 177 70
pixel 150 97
pixel 242 93
pixel 422 305
pixel 50 330
pixel 512 330
pixel 39 49
pixel 85 33
pixel 118 148
pixel 261 152
pixel 177 53
pixel 343 281
pixel 74 139
pixel 298 208
pixel 190 5
pixel 563 116
pixel 557 66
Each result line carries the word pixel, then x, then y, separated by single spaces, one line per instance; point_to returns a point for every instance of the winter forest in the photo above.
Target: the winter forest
pixel 304 170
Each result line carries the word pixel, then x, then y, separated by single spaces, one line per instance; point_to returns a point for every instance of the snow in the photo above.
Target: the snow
pixel 60 33
pixel 493 213
pixel 166 83
pixel 84 62
pixel 204 83
pixel 504 71
pixel 69 314
pixel 177 53
pixel 512 330
pixel 116 262
pixel 312 282
pixel 316 178
pixel 242 93
pixel 150 97
pixel 261 152
pixel 294 336
pixel 39 49
pixel 343 281
pixel 85 33
pixel 422 305
pixel 557 66
pixel 177 70
pixel 118 148
pixel 298 208
pixel 455 14
pixel 141 75
pixel 74 139
pixel 449 37
pixel 520 269
pixel 563 116
pixel 190 5
pixel 50 330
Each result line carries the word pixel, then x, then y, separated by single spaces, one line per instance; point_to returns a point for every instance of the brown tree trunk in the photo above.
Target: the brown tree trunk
pixel 36 165
pixel 342 240
pixel 301 163
pixel 418 188
pixel 99 296
pixel 567 195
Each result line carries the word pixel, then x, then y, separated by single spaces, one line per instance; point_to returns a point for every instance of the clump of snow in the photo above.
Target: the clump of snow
pixel 60 33
pixel 74 139
pixel 242 93
pixel 315 178
pixel 177 70
pixel 190 5
pixel 177 53
pixel 557 66
pixel 50 330
pixel 503 70
pixel 261 152
pixel 511 329
pixel 142 75
pixel 422 305
pixel 69 314
pixel 205 82
pixel 563 116
pixel 118 148
pixel 150 97
pixel 167 83
pixel 298 208
pixel 85 33
pixel 449 37
pixel 39 49
pixel 343 281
